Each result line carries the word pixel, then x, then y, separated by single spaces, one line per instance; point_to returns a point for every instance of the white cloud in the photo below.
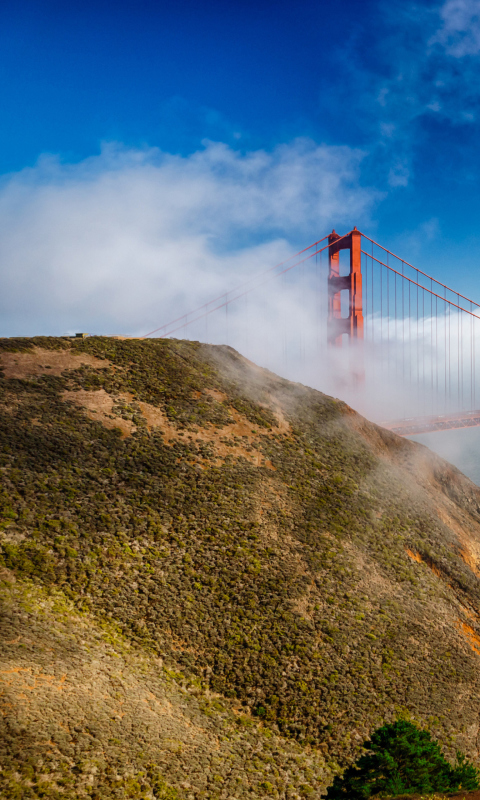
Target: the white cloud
pixel 460 29
pixel 128 240
pixel 123 241
pixel 399 173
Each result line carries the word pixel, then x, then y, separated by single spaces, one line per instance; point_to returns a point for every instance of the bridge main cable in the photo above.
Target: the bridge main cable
pixel 425 288
pixel 418 271
pixel 265 274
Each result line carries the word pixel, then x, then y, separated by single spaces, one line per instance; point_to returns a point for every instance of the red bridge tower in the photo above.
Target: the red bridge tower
pixel 353 324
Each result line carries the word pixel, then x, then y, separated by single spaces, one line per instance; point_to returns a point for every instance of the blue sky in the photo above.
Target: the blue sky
pixel 171 74
pixel 332 113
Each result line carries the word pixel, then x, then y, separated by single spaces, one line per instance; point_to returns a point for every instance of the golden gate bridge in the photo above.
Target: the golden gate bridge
pixel 381 328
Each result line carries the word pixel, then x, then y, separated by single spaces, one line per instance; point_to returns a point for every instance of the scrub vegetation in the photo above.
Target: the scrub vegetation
pixel 217 583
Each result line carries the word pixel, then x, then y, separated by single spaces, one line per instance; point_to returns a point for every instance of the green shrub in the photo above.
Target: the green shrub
pixel 402 759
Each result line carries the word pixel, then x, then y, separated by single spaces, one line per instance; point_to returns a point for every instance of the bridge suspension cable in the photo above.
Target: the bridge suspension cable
pixel 238 292
pixel 424 288
pixel 418 271
pixel 430 347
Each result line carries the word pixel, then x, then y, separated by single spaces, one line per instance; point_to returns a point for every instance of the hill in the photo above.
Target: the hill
pixel 217 583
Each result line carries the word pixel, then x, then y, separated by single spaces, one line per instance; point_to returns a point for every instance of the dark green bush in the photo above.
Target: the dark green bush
pixel 402 759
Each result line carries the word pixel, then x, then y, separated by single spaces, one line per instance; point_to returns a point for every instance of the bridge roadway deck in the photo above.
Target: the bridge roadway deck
pixel 445 422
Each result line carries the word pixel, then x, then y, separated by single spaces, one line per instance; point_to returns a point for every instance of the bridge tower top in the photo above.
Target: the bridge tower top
pixel 352 325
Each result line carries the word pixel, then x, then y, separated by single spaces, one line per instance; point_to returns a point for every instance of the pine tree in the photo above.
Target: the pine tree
pixel 402 759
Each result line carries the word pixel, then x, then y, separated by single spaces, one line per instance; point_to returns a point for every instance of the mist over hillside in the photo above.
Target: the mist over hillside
pixel 216 582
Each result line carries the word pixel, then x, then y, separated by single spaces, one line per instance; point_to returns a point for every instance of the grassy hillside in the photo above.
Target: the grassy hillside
pixel 181 530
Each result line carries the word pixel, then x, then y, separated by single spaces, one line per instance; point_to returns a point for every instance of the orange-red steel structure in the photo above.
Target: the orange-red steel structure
pixel 441 422
pixel 337 325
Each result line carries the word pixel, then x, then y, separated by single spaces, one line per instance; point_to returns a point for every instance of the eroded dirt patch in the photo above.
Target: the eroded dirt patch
pixel 155 418
pixel 225 444
pixel 414 556
pixel 216 394
pixel 38 361
pixel 98 406
pixel 418 558
pixel 471 636
pixel 282 423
